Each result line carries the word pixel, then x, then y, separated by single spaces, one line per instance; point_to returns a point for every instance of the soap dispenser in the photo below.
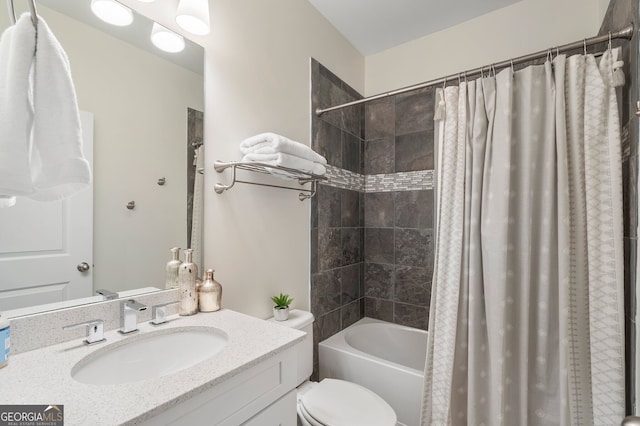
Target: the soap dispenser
pixel 4 341
pixel 209 293
pixel 187 290
pixel 172 268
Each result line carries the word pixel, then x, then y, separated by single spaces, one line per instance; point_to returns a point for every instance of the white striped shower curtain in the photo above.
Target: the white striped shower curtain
pixel 526 323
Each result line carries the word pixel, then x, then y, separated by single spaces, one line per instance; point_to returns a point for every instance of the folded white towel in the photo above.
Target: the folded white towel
pixel 17 47
pixel 58 166
pixel 271 143
pixel 41 142
pixel 286 160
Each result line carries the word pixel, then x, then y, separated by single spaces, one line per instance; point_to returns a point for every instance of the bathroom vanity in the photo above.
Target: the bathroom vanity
pixel 250 380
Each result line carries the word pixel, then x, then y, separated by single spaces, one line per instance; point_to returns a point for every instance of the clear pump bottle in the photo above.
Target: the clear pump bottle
pixel 173 267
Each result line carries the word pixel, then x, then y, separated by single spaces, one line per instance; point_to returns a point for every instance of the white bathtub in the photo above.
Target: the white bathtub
pixel 384 357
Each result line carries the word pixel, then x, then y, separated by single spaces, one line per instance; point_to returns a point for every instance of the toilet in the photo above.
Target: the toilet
pixel 332 402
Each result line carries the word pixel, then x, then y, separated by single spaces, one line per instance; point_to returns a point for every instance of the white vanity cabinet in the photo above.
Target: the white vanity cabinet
pixel 262 395
pixel 251 381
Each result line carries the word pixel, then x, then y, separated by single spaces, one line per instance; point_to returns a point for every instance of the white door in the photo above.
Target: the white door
pixel 42 244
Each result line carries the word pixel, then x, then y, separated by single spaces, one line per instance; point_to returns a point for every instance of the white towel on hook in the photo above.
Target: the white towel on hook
pixel 286 160
pixel 40 142
pixel 58 166
pixel 271 143
pixel 17 47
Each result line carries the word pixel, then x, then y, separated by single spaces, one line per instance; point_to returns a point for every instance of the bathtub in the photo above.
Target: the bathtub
pixel 384 357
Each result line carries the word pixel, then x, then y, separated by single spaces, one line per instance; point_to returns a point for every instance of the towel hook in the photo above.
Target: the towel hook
pixel 32 9
pixel 12 12
pixel 34 13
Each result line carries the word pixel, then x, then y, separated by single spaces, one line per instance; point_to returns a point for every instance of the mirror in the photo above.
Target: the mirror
pixel 146 107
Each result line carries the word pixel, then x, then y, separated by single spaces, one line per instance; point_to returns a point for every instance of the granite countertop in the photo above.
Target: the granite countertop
pixel 43 376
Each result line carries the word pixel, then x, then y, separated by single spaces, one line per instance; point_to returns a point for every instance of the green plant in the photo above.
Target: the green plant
pixel 282 302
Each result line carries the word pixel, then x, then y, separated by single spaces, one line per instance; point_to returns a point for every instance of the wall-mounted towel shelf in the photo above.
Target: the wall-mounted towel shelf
pixel 265 168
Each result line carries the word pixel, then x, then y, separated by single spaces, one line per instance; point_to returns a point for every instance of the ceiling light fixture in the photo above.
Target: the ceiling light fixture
pixel 193 16
pixel 165 39
pixel 112 12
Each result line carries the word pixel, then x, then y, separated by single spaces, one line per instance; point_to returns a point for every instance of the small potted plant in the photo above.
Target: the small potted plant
pixel 281 310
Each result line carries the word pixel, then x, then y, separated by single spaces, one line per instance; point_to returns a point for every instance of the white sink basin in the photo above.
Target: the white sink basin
pixel 149 355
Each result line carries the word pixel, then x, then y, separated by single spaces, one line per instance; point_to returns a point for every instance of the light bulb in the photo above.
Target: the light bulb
pixel 112 12
pixel 193 16
pixel 166 39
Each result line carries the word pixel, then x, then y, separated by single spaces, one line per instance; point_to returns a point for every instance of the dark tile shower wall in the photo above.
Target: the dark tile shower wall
pixel 371 245
pixel 620 14
pixel 399 223
pixel 336 213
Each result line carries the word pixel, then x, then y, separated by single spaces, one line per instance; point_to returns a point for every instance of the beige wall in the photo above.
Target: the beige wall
pixel 257 80
pixel 139 102
pixel 524 27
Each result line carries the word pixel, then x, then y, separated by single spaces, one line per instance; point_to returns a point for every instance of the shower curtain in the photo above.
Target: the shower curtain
pixel 526 322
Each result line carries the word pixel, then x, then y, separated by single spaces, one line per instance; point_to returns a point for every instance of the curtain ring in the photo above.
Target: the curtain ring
pixel 609 40
pixel 557 51
pixel 465 76
pixel 549 55
pixel 584 45
pixel 444 83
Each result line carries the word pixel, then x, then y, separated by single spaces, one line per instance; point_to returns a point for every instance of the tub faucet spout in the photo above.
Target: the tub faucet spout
pixel 129 316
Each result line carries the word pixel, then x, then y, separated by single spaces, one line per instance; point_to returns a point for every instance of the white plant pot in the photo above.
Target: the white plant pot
pixel 281 314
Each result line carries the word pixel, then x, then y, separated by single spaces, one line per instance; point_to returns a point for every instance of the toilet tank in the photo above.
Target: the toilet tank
pixel 303 321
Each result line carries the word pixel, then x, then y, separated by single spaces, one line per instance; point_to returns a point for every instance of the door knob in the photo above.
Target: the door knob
pixel 83 267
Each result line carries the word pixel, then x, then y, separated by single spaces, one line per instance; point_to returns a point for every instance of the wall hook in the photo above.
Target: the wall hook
pixel 131 205
pixel 161 181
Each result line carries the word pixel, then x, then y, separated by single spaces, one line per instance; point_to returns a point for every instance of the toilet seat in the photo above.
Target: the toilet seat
pixel 341 403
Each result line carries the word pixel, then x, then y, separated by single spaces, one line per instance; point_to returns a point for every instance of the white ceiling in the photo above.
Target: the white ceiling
pixel 375 25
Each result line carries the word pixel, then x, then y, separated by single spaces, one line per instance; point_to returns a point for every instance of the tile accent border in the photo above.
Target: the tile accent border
pixel 344 179
pixel 390 182
pixel 401 181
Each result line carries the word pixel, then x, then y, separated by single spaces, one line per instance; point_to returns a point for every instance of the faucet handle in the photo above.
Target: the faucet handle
pixel 159 313
pixel 94 329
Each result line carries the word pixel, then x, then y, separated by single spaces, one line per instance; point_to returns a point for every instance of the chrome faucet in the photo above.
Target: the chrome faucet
pixel 129 316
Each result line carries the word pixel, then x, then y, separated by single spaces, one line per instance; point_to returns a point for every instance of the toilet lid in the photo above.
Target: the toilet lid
pixel 340 403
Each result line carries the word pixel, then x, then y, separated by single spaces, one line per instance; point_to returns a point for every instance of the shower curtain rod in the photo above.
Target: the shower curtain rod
pixel 625 33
